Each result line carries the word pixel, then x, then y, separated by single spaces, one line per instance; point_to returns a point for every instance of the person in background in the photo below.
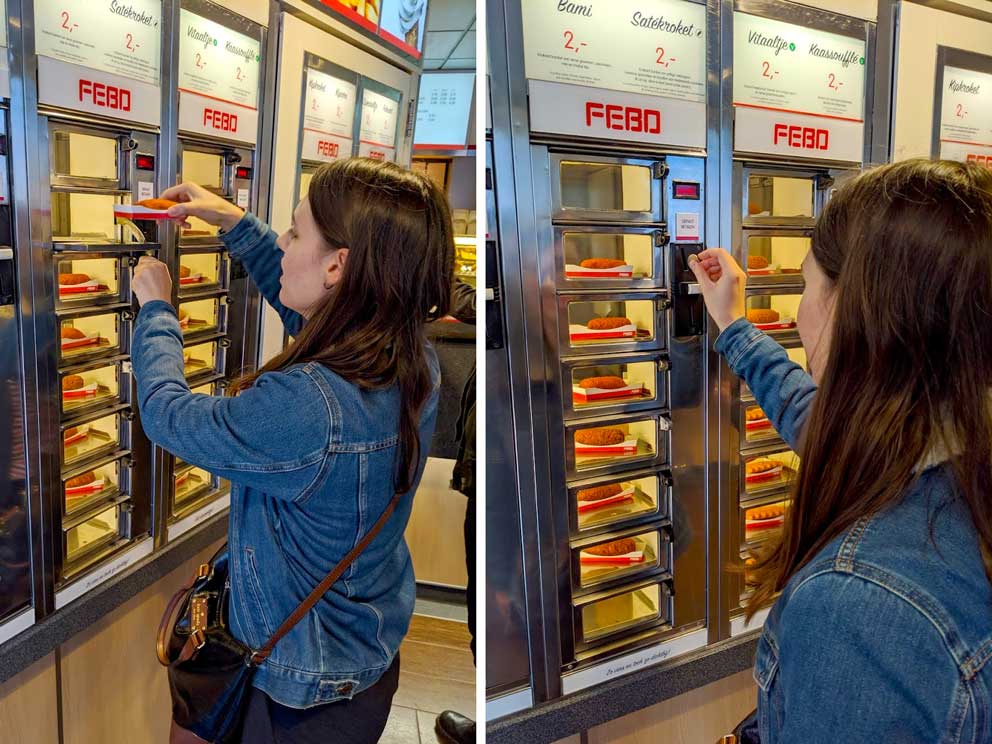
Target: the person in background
pixel 452 727
pixel 882 629
pixel 319 440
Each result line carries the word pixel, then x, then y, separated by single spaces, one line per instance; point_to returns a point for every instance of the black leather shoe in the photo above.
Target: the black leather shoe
pixel 454 728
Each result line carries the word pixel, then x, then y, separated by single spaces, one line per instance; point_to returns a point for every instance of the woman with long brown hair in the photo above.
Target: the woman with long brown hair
pixel 318 441
pixel 882 628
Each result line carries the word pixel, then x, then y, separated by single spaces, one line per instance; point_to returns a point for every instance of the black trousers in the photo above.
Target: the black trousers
pixel 360 720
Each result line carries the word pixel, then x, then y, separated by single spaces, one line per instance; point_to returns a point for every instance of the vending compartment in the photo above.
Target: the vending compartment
pixel 87 486
pixel 207 388
pixel 588 187
pixel 85 156
pixel 101 286
pixel 639 439
pixel 779 199
pixel 794 350
pixel 608 558
pixel 204 168
pixel 200 359
pixel 762 521
pixel 774 258
pixel 605 614
pixel 769 472
pixel 85 217
pixel 89 439
pixel 93 386
pixel 599 503
pixel 82 542
pixel 754 425
pixel 778 313
pixel 638 251
pixel 191 484
pixel 205 272
pixel 89 336
pixel 198 232
pixel 200 317
pixel 644 378
pixel 645 311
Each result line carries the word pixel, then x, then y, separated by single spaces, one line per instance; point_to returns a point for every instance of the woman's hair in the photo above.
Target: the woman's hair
pixel 908 249
pixel 370 328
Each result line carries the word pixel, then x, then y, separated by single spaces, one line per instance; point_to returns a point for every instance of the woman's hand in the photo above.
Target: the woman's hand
pixel 722 282
pixel 197 201
pixel 151 281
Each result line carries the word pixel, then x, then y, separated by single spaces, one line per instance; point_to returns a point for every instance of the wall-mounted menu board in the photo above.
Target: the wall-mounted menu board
pixel 100 58
pixel 964 102
pixel 444 107
pixel 400 23
pixel 380 115
pixel 330 98
pixel 637 73
pixel 798 91
pixel 219 76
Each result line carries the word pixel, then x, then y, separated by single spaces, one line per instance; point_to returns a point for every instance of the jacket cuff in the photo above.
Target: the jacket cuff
pixel 245 235
pixel 736 341
pixel 155 308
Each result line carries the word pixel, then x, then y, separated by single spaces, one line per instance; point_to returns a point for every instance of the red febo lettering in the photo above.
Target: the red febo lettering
pixel 104 96
pixel 802 138
pixel 985 160
pixel 624 118
pixel 330 149
pixel 222 120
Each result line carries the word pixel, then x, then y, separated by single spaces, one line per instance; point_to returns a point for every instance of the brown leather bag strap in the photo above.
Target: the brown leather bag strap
pixel 322 588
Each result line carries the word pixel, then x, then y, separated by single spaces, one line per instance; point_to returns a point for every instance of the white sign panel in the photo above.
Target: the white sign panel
pixel 612 115
pixel 218 79
pixel 120 37
pixel 443 108
pixel 797 91
pixel 657 48
pixel 377 134
pixel 82 89
pixel 329 117
pixel 966 116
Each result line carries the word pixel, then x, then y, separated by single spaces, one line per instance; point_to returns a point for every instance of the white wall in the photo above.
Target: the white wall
pixel 921 30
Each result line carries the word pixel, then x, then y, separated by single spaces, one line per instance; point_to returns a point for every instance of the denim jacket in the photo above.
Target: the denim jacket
pixel 885 636
pixel 311 459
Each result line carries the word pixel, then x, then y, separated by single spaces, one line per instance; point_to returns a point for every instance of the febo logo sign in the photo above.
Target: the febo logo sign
pixel 377 155
pixel 104 96
pixel 623 118
pixel 985 160
pixel 801 138
pixel 330 149
pixel 222 120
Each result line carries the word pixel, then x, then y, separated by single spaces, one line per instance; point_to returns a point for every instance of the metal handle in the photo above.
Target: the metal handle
pixel 6 254
pixel 691 288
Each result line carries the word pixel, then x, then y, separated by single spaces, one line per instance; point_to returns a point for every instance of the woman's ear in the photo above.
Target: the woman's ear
pixel 335 267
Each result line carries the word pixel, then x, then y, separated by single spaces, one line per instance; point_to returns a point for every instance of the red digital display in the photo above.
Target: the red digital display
pixel 682 190
pixel 242 172
pixel 145 162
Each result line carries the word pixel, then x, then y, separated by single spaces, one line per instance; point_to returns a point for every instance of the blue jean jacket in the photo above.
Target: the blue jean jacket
pixel 311 459
pixel 885 636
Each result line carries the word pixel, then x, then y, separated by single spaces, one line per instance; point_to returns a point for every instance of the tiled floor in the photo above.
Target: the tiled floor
pixel 436 673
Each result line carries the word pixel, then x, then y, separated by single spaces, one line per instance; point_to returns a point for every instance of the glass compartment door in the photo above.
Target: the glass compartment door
pixel 593 188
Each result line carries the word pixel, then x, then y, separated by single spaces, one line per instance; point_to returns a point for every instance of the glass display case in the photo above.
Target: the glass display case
pixel 597 257
pixel 91 386
pixel 620 382
pixel 598 188
pixel 619 322
pixel 199 317
pixel 92 485
pixel 601 560
pixel 97 435
pixel 775 258
pixel 200 360
pixel 85 280
pixel 84 337
pixel 201 272
pixel 620 500
pixel 603 616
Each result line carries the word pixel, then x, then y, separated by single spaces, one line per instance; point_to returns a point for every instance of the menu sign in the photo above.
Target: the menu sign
pixel 402 23
pixel 966 116
pixel 637 74
pixel 797 91
pixel 377 134
pixel 121 37
pixel 443 109
pixel 218 79
pixel 329 117
pixel 100 58
pixel 655 48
